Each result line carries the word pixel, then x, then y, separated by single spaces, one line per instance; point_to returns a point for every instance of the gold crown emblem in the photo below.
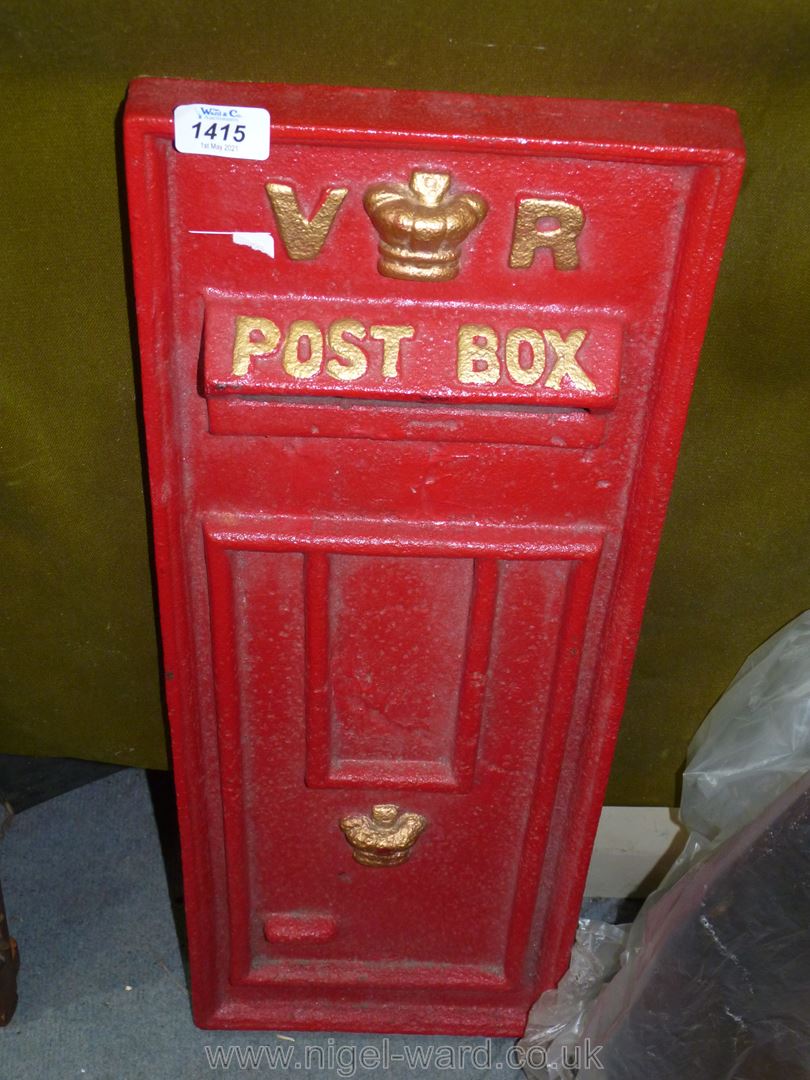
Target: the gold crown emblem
pixel 385 838
pixel 421 226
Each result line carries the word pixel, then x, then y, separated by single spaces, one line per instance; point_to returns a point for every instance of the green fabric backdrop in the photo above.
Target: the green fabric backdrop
pixel 80 653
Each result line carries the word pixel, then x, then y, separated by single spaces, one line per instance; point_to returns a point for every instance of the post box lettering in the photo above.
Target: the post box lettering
pixel 529 356
pixel 253 337
pixel 302 348
pixel 521 342
pixel 302 352
pixel 566 364
pixel 391 338
pixel 349 362
pixel 546 223
pixel 479 357
pixel 539 222
pixel 303 237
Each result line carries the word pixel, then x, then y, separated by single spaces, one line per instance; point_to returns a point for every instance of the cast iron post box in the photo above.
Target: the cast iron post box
pixel 414 380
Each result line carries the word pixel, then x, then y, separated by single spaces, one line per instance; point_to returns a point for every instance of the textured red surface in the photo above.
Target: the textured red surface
pixel 408 590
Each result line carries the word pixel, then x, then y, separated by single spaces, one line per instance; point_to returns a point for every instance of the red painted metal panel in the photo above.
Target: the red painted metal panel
pixel 408 476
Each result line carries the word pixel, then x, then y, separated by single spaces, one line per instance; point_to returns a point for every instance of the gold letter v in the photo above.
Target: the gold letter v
pixel 303 238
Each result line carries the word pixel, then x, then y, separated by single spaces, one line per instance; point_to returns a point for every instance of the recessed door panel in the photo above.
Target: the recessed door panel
pixel 394 665
pixel 375 665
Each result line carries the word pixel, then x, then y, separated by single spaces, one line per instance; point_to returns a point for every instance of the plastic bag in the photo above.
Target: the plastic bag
pixel 713 981
pixel 756 740
pixel 554 1031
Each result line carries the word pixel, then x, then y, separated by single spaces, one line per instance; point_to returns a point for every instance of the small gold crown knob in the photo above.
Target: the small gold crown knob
pixel 421 226
pixel 386 837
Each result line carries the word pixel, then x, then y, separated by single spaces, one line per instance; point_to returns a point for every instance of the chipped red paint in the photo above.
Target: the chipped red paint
pixel 415 587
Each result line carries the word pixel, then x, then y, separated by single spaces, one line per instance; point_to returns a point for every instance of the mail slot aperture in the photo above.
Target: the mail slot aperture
pixel 509 374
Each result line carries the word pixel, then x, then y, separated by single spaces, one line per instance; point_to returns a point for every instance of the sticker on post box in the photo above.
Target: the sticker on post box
pixel 426 352
pixel 231 131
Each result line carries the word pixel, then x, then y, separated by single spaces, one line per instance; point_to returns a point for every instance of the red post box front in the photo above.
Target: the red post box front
pixel 414 379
